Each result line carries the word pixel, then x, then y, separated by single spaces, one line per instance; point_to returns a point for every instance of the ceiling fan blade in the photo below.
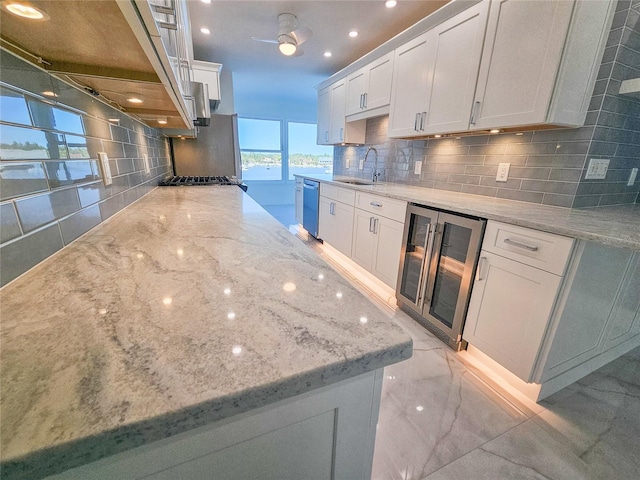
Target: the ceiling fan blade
pixel 301 34
pixel 264 40
pixel 299 52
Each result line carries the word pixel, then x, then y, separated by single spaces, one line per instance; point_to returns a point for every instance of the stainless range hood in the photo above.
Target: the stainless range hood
pixel 202 109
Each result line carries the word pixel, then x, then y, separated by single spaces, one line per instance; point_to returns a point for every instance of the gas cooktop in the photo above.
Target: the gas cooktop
pixel 178 181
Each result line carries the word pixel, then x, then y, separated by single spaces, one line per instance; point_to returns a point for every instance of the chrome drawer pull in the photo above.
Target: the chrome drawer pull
pixel 375 204
pixel 514 243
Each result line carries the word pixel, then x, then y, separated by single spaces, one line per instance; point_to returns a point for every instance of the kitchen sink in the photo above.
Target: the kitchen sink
pixel 355 181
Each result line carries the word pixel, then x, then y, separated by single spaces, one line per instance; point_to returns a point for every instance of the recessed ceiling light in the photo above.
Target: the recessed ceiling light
pixel 495 130
pixel 49 93
pixel 134 98
pixel 437 136
pixel 327 54
pixel 205 1
pixel 162 121
pixel 205 30
pixel 390 3
pixel 353 34
pixel 24 10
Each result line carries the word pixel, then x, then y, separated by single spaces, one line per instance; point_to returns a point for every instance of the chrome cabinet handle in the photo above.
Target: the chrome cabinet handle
pixel 326 135
pixel 422 118
pixel 361 100
pixel 375 204
pixel 342 134
pixel 375 225
pixel 474 112
pixel 364 103
pixel 517 244
pixel 370 224
pixel 481 269
pixel 415 124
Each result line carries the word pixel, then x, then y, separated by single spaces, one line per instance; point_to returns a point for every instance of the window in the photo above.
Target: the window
pixel 260 149
pixel 276 150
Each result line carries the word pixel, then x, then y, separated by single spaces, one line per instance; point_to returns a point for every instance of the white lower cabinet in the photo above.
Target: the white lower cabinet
pixel 335 217
pixel 299 200
pixel 509 311
pixel 328 433
pixel 517 282
pixel 377 240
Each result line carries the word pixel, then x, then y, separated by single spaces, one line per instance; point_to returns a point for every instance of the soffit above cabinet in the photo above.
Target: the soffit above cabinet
pixel 90 43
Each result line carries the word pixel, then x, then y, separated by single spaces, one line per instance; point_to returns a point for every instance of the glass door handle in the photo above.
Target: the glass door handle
pixel 431 254
pixel 428 245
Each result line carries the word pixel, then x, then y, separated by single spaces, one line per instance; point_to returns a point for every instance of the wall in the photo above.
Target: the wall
pixel 547 167
pixel 53 193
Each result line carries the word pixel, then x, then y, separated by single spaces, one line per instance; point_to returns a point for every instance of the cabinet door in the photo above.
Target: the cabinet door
pixel 325 220
pixel 520 58
pixel 342 227
pixel 338 104
pixel 378 91
pixel 324 116
pixel 299 200
pixel 409 87
pixel 363 239
pixel 456 50
pixel 388 246
pixel 508 312
pixel 624 322
pixel 356 88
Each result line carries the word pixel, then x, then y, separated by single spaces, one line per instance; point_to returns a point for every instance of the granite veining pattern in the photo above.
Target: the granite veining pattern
pixel 190 306
pixel 617 226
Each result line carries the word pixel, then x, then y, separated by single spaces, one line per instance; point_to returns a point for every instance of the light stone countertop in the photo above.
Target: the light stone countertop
pixel 618 226
pixel 129 335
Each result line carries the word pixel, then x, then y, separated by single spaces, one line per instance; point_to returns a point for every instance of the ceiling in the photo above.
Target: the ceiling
pixel 260 71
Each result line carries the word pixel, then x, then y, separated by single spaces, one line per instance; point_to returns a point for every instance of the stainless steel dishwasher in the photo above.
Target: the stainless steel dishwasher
pixel 311 197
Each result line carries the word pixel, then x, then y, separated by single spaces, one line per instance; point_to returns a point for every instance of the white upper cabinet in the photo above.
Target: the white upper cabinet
pixel 324 116
pixel 332 126
pixel 435 76
pixel 539 62
pixel 369 89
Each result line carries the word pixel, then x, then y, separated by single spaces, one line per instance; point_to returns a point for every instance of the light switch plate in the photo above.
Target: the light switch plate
pixel 361 166
pixel 597 169
pixel 103 160
pixel 503 172
pixel 147 167
pixel 632 177
pixel 417 169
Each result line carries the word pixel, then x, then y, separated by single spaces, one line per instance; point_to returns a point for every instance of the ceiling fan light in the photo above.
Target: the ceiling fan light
pixel 25 10
pixel 287 48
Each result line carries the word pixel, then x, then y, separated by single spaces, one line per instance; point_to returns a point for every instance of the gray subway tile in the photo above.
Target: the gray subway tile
pixel 618 199
pixel 9 225
pixel 485 170
pixel 531 197
pixel 564 188
pixel 557 200
pixel 511 183
pixel 541 173
pixel 26 252
pixel 39 210
pixel 130 151
pixel 125 165
pixel 21 178
pixel 97 128
pixel 488 149
pixel 92 193
pixel 512 159
pixel 449 168
pixel 566 174
pixel 585 201
pixel 480 190
pixel 69 172
pixel 558 161
pixel 119 134
pixel 113 149
pixel 111 206
pixel 78 223
pixel 451 187
pixel 468 179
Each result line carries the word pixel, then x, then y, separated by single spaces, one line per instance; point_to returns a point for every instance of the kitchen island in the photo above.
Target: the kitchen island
pixel 191 316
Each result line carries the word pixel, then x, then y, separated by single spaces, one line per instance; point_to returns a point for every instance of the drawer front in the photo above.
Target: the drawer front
pixel 339 194
pixel 383 206
pixel 546 251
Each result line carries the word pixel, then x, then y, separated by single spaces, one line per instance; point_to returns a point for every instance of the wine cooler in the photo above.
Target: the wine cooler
pixel 439 257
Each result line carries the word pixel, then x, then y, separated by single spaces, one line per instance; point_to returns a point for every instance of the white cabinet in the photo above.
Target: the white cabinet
pixel 332 126
pixel 369 89
pixel 435 76
pixel 299 200
pixel 539 62
pixel 624 322
pixel 378 226
pixel 209 73
pixel 517 281
pixel 324 116
pixel 335 220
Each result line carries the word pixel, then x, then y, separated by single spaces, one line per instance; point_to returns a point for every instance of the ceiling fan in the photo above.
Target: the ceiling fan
pixel 290 36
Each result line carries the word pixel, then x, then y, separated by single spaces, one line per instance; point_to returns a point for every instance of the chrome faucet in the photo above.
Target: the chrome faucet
pixel 376 174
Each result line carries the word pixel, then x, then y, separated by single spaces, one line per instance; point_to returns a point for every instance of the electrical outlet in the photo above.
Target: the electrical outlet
pixel 104 168
pixel 597 169
pixel 147 167
pixel 632 177
pixel 503 172
pixel 417 168
pixel 361 166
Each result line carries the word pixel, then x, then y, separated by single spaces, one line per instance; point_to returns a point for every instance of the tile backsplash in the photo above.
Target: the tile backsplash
pixel 547 166
pixel 51 188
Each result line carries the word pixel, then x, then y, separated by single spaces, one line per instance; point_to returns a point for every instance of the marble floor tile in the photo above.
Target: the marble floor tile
pixel 524 452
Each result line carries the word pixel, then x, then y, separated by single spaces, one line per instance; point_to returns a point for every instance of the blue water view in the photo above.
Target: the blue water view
pixel 262 172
